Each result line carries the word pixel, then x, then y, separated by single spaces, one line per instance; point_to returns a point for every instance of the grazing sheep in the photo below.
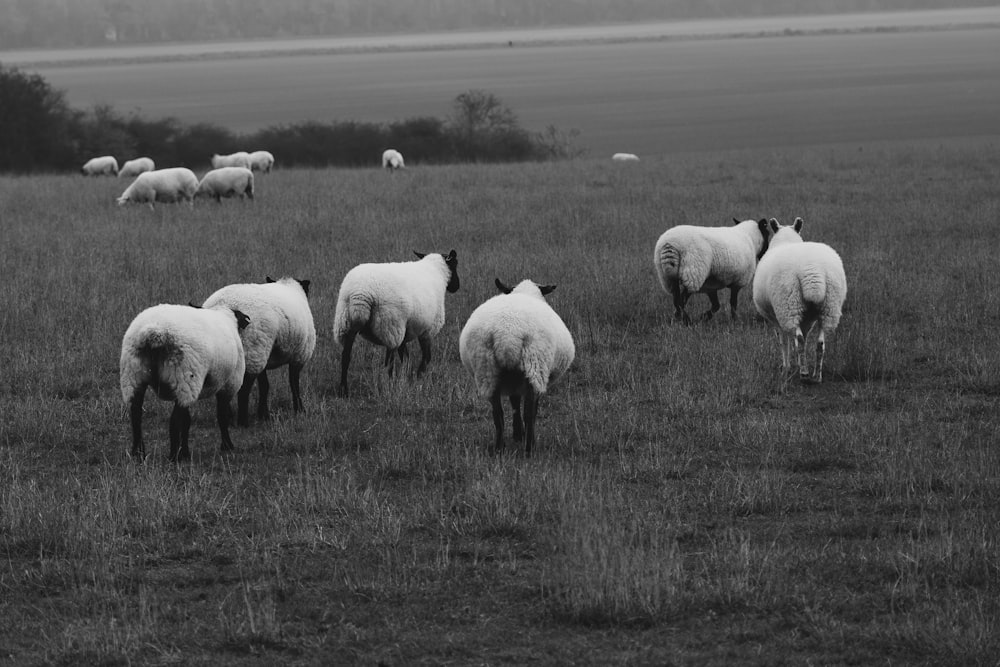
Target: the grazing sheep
pixel 392 159
pixel 691 259
pixel 184 354
pixel 226 182
pixel 515 345
pixel 261 161
pixel 391 304
pixel 140 165
pixel 799 284
pixel 625 157
pixel 163 185
pixel 238 159
pixel 280 332
pixel 106 165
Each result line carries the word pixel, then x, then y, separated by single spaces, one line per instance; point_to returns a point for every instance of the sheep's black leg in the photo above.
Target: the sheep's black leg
pixel 263 387
pixel 734 293
pixel 497 404
pixel 135 416
pixel 425 351
pixel 243 401
pixel 680 300
pixel 222 416
pixel 180 428
pixel 713 297
pixel 294 372
pixel 515 404
pixel 530 412
pixel 345 361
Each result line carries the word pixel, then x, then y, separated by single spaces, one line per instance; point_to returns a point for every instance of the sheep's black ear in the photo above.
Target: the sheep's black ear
pixel 546 289
pixel 736 222
pixel 241 319
pixel 774 225
pixel 798 224
pixel 503 288
pixel 420 255
pixel 269 279
pixel 193 304
pixel 451 257
pixel 305 285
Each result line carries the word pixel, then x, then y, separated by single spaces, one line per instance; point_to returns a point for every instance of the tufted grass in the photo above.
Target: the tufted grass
pixel 687 503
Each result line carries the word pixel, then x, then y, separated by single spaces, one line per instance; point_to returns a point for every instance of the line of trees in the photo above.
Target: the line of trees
pixel 39 131
pixel 67 23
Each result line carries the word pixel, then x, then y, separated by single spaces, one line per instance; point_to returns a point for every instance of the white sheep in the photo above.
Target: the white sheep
pixel 280 332
pixel 515 345
pixel 226 182
pixel 238 159
pixel 625 157
pixel 261 161
pixel 106 165
pixel 390 304
pixel 392 159
pixel 799 284
pixel 184 354
pixel 162 185
pixel 137 166
pixel 690 259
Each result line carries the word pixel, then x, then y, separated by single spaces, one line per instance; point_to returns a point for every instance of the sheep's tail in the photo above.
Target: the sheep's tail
pixel 668 263
pixel 353 314
pixel 155 352
pixel 813 289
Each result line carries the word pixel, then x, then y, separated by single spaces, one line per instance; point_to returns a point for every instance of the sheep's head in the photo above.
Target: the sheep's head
pixel 786 233
pixel 526 287
pixel 451 259
pixel 122 200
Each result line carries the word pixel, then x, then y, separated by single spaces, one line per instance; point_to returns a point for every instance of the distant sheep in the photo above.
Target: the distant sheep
pixel 392 159
pixel 238 159
pixel 184 354
pixel 280 332
pixel 690 259
pixel 163 185
pixel 106 165
pixel 515 345
pixel 226 182
pixel 391 304
pixel 133 168
pixel 261 161
pixel 799 284
pixel 625 157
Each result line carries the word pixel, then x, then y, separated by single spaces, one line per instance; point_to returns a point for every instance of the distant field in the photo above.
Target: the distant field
pixel 648 96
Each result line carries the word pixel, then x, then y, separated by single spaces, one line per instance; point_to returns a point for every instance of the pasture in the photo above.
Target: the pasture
pixel 686 503
pixel 642 95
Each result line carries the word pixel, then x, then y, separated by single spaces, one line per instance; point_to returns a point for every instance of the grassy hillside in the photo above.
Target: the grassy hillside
pixel 686 503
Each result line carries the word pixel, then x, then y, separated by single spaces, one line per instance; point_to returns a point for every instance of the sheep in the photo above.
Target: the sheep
pixel 392 159
pixel 261 161
pixel 690 259
pixel 226 182
pixel 106 165
pixel 799 284
pixel 184 354
pixel 515 345
pixel 280 332
pixel 137 166
pixel 162 185
pixel 625 157
pixel 238 159
pixel 390 304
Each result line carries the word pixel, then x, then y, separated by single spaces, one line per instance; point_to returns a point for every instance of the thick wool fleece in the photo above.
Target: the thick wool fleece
pixel 708 258
pixel 163 185
pixel 226 182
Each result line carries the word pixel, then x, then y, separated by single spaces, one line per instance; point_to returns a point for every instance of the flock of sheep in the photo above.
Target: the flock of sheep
pixel 514 344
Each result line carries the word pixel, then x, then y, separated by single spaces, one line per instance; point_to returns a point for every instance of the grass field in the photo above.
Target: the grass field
pixel 687 504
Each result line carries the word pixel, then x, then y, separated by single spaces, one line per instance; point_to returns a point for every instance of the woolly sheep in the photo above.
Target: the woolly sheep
pixel 162 185
pixel 226 182
pixel 515 345
pixel 625 157
pixel 137 166
pixel 799 284
pixel 238 159
pixel 261 161
pixel 280 332
pixel 184 354
pixel 106 165
pixel 390 304
pixel 392 159
pixel 690 259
